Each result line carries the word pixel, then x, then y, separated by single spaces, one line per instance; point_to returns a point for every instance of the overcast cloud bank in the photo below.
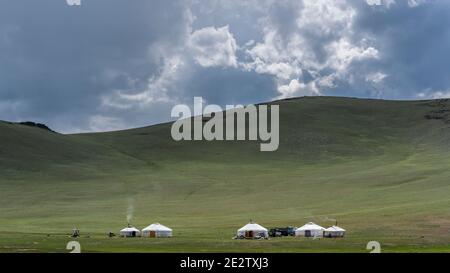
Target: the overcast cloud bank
pixel 113 64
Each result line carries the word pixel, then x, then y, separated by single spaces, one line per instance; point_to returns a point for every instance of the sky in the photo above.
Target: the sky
pixel 116 64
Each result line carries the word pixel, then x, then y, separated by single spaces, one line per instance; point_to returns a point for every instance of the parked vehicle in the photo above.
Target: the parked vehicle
pixel 280 232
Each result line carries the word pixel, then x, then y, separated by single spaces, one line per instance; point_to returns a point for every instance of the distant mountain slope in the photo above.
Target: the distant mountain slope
pixel 32 148
pixel 311 128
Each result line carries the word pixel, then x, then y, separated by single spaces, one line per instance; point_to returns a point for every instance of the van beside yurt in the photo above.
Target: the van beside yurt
pixel 334 232
pixel 252 231
pixel 130 232
pixel 157 230
pixel 310 230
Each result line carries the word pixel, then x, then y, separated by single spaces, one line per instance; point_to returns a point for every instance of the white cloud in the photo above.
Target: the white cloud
pixel 342 53
pixel 281 70
pixel 376 78
pixel 212 47
pixel 416 3
pixel 327 81
pixel 322 46
pixel 326 17
pixel 386 3
pixel 429 94
pixel 304 52
pixel 207 47
pixel 296 88
pixel 157 90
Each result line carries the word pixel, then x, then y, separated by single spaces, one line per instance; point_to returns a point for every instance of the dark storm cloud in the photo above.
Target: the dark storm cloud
pixel 413 44
pixel 58 60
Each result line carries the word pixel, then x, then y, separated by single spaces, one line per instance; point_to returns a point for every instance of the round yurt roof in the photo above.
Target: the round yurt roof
pixel 311 226
pixel 157 227
pixel 130 229
pixel 252 227
pixel 334 228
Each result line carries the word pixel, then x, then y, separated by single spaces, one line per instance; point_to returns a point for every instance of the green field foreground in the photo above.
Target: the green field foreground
pixel 380 168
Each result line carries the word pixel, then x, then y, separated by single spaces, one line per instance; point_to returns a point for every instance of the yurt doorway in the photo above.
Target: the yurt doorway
pixel 307 233
pixel 152 234
pixel 249 234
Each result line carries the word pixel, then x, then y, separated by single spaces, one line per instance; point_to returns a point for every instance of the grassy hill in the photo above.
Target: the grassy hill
pixel 380 168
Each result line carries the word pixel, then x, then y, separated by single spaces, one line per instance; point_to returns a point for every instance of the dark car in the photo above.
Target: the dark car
pixel 280 232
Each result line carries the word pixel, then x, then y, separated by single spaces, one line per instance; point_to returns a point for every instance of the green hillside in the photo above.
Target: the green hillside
pixel 380 168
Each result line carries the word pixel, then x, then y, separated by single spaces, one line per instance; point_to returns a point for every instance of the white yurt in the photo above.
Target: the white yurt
pixel 310 230
pixel 156 230
pixel 334 232
pixel 130 232
pixel 253 230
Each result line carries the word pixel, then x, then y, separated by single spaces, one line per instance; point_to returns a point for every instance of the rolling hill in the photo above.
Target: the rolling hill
pixel 380 168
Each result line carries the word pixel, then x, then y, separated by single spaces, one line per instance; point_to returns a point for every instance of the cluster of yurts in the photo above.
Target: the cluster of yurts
pixel 251 230
pixel 153 230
